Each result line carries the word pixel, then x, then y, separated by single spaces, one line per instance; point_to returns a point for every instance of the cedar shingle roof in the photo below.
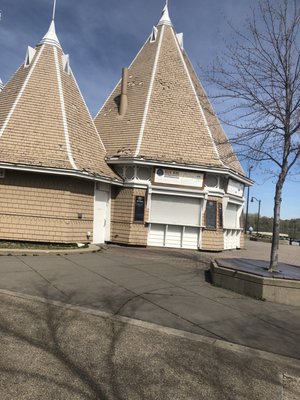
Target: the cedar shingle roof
pixel 44 121
pixel 169 117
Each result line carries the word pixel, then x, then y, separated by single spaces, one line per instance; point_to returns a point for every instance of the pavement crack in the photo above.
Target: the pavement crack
pixel 170 312
pixel 41 276
pixel 148 300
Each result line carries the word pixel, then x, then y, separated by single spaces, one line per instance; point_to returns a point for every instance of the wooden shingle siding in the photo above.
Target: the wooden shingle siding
pixel 10 92
pixel 225 150
pixel 212 240
pixel 24 140
pixel 87 148
pixel 168 119
pixel 175 129
pixel 42 208
pixel 120 134
pixel 35 132
pixel 124 229
pixel 242 241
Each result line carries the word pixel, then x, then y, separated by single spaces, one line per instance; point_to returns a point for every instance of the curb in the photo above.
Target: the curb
pixel 92 248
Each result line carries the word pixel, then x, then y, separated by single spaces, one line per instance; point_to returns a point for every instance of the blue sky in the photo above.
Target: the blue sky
pixel 103 36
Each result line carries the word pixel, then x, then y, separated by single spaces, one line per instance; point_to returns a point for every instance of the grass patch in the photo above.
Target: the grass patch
pixel 7 244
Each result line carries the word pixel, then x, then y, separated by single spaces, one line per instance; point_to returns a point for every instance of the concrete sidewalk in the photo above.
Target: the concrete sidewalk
pixel 57 352
pixel 165 287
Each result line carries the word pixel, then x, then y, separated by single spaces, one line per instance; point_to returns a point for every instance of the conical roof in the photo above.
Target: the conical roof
pixel 44 121
pixel 169 117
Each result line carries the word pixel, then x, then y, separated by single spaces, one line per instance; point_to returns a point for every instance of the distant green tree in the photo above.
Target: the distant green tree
pixel 287 226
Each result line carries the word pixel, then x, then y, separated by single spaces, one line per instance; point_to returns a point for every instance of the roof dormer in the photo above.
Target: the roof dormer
pixel 30 53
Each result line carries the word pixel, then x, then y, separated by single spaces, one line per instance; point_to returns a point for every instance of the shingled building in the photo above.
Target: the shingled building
pixel 54 182
pixel 183 185
pixel 155 167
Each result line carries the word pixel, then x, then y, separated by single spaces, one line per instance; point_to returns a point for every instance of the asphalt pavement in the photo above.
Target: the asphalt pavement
pixel 141 324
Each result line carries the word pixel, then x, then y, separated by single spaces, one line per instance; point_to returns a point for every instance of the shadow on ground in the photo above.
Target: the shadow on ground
pixel 54 352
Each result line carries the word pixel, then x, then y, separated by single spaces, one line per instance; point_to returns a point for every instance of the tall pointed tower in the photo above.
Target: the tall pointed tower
pixel 184 184
pixel 51 154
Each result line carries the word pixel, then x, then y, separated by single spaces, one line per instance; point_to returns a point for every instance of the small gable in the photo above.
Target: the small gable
pixel 30 53
pixel 153 36
pixel 66 63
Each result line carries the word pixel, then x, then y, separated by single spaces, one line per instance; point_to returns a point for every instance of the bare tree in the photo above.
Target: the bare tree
pixel 260 77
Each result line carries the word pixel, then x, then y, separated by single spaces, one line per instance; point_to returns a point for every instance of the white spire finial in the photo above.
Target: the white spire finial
pixel 165 18
pixel 50 37
pixel 54 9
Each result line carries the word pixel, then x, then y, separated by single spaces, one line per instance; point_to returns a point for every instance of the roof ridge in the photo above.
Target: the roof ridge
pixel 138 147
pixel 213 111
pixel 63 110
pixel 197 99
pixel 49 126
pixel 87 109
pixel 9 115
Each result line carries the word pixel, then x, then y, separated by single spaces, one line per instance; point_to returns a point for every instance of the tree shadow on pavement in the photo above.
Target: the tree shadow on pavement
pixel 54 352
pixel 51 351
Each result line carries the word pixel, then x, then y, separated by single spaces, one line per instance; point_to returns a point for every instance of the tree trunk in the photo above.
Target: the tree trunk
pixel 276 226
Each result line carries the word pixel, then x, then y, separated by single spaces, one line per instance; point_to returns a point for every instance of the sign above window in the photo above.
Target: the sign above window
pixel 235 188
pixel 178 178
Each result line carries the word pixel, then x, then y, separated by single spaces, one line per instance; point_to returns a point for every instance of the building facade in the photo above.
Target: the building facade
pixel 183 184
pixel 53 174
pixel 155 168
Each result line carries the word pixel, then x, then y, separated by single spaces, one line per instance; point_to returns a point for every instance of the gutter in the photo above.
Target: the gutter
pixel 62 172
pixel 221 170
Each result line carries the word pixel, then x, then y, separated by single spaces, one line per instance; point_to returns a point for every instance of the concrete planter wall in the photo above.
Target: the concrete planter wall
pixel 278 290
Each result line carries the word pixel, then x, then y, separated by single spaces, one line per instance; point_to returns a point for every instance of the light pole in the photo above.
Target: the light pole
pixel 259 201
pixel 248 193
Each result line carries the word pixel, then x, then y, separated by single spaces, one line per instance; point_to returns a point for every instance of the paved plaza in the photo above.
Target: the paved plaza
pixel 150 312
pixel 163 286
